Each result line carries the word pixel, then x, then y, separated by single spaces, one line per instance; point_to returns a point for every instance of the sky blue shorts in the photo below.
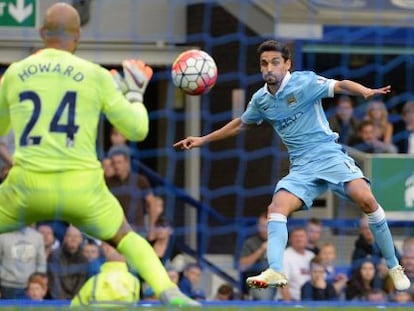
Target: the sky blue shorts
pixel 309 181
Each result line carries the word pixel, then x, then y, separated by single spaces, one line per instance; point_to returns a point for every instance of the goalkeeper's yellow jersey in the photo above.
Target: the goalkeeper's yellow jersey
pixel 53 100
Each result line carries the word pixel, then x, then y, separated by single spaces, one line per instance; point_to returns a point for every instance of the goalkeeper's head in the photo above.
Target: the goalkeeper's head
pixel 61 27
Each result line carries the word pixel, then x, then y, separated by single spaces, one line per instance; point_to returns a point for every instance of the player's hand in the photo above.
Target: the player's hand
pixel 380 91
pixel 189 143
pixel 137 75
pixel 119 81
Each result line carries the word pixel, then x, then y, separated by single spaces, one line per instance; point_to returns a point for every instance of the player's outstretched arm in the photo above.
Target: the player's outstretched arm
pixel 353 88
pixel 232 128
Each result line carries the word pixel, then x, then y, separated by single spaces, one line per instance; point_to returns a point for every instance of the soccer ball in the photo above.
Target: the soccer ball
pixel 194 72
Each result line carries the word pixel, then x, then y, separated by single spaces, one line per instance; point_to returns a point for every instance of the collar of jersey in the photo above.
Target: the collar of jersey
pixel 285 80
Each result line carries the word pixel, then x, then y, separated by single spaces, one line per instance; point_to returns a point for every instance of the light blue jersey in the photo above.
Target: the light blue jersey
pixel 295 112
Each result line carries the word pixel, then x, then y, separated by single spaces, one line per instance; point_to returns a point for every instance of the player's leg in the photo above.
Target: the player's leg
pixel 142 257
pixel 347 180
pixel 10 210
pixel 360 192
pixel 104 219
pixel 293 192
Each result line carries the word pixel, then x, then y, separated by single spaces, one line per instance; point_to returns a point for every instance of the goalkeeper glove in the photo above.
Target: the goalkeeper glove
pixel 136 78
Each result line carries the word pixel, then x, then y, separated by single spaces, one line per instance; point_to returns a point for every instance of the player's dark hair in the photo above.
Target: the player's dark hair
pixel 273 45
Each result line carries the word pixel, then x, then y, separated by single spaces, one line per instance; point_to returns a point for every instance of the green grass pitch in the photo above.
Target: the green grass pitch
pixel 240 307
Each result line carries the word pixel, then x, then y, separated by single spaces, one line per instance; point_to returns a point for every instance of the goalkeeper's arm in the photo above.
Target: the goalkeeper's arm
pixel 130 119
pixel 135 81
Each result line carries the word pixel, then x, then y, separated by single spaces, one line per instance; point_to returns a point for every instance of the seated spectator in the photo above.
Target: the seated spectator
pixel 50 241
pixel 362 281
pixel 159 230
pixel 92 251
pixel 344 122
pixel 37 286
pixel 313 232
pixel 190 281
pixel 317 288
pixel 404 140
pixel 225 292
pixel 67 266
pixel 365 246
pixel 377 113
pixel 296 262
pixel 174 275
pixel 367 142
pixel 108 168
pixel 22 253
pixel 399 296
pixel 376 295
pixel 118 141
pixel 133 190
pixel 113 286
pixel 327 256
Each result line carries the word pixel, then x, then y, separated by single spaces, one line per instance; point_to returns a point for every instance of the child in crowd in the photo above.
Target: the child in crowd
pixel 317 288
pixel 37 286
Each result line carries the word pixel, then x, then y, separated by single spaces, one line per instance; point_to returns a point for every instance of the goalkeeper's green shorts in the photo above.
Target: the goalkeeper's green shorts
pixel 77 197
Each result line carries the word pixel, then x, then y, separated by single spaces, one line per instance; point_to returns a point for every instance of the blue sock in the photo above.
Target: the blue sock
pixel 379 228
pixel 276 241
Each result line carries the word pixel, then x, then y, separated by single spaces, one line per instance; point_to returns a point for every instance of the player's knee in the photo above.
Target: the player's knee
pixel 368 204
pixel 123 230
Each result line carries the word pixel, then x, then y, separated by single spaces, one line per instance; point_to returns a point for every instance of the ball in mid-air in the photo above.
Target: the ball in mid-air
pixel 194 72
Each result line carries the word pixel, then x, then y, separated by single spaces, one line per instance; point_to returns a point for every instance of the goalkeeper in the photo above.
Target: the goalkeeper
pixel 53 101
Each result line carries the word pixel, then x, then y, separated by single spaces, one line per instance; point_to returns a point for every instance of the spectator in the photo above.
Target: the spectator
pixel 377 113
pixel 404 140
pixel 108 168
pixel 133 190
pixel 253 259
pixel 376 295
pixel 159 230
pixel 363 279
pixel 296 261
pixel 317 288
pixel 344 122
pixel 313 232
pixel 118 141
pixel 49 239
pixel 22 253
pixel 368 142
pixel 174 275
pixel 401 296
pixel 91 249
pixel 365 246
pixel 225 292
pixel 114 286
pixel 327 256
pixel 190 281
pixel 67 266
pixel 37 286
